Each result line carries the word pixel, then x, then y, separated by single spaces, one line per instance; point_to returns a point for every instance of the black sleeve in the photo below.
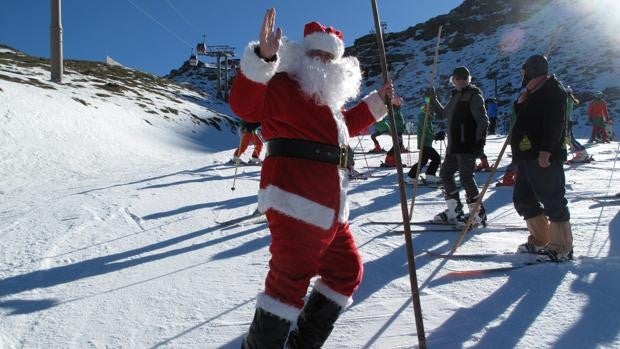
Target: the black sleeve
pixel 553 121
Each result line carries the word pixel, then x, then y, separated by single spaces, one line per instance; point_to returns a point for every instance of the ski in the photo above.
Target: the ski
pixel 241 163
pixel 436 254
pixel 238 220
pixel 433 225
pixel 487 271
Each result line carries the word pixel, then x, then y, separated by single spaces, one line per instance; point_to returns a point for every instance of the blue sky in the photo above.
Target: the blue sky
pixel 157 35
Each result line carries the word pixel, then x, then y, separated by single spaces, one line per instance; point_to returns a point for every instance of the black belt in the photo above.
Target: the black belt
pixel 309 150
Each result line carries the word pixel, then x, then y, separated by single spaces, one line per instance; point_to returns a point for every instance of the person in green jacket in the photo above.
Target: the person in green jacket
pixel 383 127
pixel 428 152
pixel 397 103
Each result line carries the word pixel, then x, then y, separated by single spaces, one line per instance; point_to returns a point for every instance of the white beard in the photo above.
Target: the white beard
pixel 331 84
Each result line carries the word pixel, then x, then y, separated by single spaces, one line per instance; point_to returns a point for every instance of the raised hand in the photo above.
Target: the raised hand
pixel 386 91
pixel 269 39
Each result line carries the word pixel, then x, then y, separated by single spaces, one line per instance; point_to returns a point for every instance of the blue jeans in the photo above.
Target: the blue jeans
pixel 541 191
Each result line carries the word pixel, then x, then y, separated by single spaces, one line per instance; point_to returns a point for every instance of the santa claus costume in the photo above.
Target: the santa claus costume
pixel 299 102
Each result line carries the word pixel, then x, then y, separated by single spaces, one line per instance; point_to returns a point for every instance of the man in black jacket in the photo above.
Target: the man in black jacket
pixel 467 130
pixel 539 151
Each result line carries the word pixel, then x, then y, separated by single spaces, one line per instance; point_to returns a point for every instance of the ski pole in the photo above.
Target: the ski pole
pixel 478 203
pixel 426 114
pixel 413 280
pixel 237 160
pixel 359 142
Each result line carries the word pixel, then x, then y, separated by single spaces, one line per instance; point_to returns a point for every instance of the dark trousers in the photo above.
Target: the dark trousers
pixel 541 191
pixel 492 125
pixel 429 153
pixel 465 164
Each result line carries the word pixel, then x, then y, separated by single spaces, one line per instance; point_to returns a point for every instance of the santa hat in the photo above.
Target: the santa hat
pixel 319 37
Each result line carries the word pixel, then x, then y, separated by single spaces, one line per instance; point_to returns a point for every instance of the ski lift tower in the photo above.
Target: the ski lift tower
pixel 218 51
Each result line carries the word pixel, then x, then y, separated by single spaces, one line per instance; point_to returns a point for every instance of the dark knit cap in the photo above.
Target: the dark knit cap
pixel 461 72
pixel 535 66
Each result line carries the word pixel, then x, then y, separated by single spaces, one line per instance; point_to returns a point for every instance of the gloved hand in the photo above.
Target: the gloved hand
pixel 440 136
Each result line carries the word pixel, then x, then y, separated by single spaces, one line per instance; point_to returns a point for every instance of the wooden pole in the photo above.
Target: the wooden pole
pixel 415 293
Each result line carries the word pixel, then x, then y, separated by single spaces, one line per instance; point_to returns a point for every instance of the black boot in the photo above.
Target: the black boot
pixel 267 331
pixel 315 322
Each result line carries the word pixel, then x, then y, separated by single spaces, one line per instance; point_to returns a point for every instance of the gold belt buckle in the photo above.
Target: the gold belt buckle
pixel 342 160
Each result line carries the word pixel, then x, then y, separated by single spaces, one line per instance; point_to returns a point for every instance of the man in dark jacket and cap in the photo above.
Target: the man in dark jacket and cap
pixel 467 129
pixel 539 151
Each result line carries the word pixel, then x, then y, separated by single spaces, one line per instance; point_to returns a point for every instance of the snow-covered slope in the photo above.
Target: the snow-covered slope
pixel 494 37
pixel 109 234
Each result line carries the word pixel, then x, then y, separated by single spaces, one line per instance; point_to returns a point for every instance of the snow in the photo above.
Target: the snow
pixel 108 238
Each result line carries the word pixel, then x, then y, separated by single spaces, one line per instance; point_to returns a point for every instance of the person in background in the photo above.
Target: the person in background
pixel 297 91
pixel 491 106
pixel 581 154
pixel 428 152
pixel 467 130
pixel 249 135
pixel 397 103
pixel 598 114
pixel 539 151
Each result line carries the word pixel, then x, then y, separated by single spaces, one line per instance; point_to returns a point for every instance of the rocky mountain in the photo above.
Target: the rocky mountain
pixel 493 38
pixel 91 83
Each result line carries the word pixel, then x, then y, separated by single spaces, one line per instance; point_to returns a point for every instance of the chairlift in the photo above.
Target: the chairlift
pixel 201 48
pixel 193 60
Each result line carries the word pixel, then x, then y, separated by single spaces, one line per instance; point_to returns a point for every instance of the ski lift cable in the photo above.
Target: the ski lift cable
pixel 182 16
pixel 158 22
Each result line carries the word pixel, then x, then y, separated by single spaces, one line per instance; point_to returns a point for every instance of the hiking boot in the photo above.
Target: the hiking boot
pixel 548 255
pixel 452 214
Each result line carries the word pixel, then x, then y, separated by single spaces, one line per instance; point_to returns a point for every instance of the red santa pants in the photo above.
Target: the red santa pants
pixel 300 251
pixel 246 139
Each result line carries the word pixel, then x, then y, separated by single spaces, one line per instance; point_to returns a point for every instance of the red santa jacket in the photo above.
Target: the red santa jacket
pixel 598 109
pixel 310 191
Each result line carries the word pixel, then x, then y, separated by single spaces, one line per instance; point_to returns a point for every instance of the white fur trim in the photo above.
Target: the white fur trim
pixel 341 125
pixel 295 206
pixel 377 106
pixel 255 68
pixel 338 298
pixel 275 307
pixel 324 42
pixel 343 212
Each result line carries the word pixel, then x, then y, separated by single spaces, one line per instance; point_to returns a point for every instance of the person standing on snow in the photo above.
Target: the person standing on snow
pixel 428 152
pixel 581 154
pixel 297 92
pixel 491 106
pixel 383 127
pixel 539 151
pixel 249 134
pixel 397 103
pixel 598 114
pixel 467 130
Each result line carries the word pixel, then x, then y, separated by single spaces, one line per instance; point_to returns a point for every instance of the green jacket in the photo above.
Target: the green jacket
pixel 383 126
pixel 430 134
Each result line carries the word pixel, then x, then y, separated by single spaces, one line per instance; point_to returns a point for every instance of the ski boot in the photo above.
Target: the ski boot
pixel 483 166
pixel 452 214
